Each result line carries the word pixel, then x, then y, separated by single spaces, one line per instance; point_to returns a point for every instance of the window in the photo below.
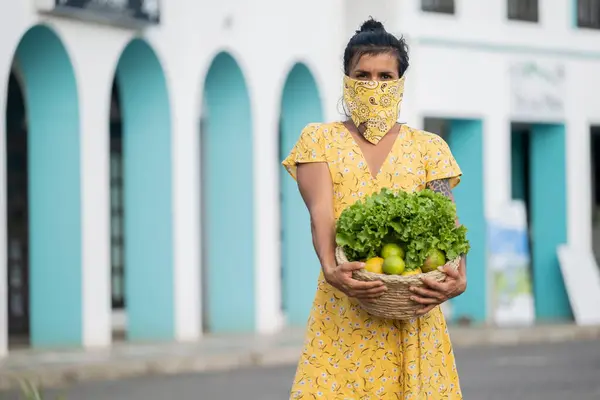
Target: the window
pixel 523 10
pixel 117 241
pixel 439 6
pixel 117 221
pixel 588 13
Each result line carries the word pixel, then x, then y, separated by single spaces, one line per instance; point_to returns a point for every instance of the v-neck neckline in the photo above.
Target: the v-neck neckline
pixel 364 159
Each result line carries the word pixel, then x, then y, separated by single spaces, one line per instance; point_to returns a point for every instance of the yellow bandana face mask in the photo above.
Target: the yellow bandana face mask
pixel 374 103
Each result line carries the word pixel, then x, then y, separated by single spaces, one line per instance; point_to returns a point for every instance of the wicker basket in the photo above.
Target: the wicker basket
pixel 395 303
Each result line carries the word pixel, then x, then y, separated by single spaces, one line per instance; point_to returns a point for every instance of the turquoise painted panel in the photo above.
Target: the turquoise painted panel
pixel 548 220
pixel 148 208
pixel 466 142
pixel 488 47
pixel 54 190
pixel 301 104
pixel 518 172
pixel 228 200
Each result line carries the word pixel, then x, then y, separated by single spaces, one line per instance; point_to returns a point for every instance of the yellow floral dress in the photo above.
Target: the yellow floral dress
pixel 349 354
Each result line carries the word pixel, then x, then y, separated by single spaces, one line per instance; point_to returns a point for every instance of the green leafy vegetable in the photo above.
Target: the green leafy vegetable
pixel 420 221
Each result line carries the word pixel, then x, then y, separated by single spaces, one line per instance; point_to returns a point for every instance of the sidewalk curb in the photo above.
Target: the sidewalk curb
pixel 181 362
pixel 467 337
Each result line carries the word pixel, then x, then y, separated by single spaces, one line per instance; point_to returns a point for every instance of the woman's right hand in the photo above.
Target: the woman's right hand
pixel 340 277
pixel 316 188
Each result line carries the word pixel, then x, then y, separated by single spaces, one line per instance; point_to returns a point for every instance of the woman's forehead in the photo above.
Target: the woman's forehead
pixel 385 61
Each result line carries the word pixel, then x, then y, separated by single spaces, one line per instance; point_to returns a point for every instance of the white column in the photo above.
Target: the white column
pixel 267 208
pixel 185 109
pixel 410 112
pixel 184 77
pixel 94 82
pixel 5 66
pixel 497 156
pixel 95 191
pixel 497 176
pixel 14 21
pixel 578 185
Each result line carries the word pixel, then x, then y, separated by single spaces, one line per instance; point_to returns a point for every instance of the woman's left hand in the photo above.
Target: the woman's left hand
pixel 435 293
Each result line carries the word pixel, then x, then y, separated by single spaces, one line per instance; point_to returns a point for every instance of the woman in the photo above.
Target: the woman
pixel 348 353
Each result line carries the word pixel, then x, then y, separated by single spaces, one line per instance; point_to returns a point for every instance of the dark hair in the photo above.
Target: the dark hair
pixel 372 38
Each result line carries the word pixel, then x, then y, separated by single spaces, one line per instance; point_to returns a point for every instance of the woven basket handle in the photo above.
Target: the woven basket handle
pixel 340 256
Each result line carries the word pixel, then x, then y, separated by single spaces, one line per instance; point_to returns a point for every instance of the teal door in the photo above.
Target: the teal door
pixel 548 193
pixel 466 142
pixel 147 194
pixel 54 190
pixel 228 200
pixel 301 105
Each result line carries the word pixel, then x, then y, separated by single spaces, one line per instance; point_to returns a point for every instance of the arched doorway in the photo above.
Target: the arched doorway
pixel 141 195
pixel 228 200
pixel 17 212
pixel 43 194
pixel 117 223
pixel 300 105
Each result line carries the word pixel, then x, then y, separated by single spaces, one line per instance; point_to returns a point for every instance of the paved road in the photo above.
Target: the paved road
pixel 530 372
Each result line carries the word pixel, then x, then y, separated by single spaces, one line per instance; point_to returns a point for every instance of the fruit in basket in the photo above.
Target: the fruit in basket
pixel 393 265
pixel 392 249
pixel 375 265
pixel 412 272
pixel 435 258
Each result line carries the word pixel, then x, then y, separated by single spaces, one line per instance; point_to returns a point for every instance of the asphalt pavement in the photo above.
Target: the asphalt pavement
pixel 556 371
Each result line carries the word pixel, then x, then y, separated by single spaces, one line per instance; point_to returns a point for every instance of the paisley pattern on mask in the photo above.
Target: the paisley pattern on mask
pixel 374 103
pixel 347 353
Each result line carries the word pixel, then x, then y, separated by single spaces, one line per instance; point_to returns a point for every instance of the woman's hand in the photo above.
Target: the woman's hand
pixel 340 277
pixel 435 293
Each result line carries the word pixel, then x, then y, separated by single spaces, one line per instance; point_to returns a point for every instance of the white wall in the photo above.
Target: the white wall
pixel 475 83
pixel 8 42
pixel 267 37
pixel 486 21
pixel 94 81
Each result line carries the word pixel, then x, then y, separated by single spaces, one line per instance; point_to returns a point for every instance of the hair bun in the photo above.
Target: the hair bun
pixel 371 25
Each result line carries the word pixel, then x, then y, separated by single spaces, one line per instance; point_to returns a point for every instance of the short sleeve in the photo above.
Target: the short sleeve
pixel 440 163
pixel 310 147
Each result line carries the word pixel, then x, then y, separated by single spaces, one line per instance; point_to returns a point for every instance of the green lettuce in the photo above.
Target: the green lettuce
pixel 419 221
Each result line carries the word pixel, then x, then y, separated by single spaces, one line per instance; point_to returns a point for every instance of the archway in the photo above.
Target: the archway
pixel 117 223
pixel 17 212
pixel 142 171
pixel 538 165
pixel 44 192
pixel 228 200
pixel 300 105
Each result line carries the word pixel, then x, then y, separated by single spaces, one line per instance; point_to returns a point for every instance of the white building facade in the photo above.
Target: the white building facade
pixel 143 175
